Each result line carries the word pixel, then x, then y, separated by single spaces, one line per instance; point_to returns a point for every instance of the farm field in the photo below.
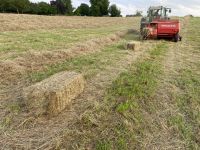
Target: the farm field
pixel 143 99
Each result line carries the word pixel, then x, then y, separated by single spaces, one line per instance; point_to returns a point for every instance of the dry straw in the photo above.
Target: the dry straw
pixel 14 22
pixel 51 96
pixel 10 71
pixel 133 45
pixel 36 61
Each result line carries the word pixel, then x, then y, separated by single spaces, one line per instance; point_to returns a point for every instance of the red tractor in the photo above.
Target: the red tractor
pixel 157 25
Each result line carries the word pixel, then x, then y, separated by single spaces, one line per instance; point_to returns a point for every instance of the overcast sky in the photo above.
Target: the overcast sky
pixel 179 7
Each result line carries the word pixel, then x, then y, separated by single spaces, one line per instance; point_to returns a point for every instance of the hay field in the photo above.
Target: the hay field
pixel 24 33
pixel 132 99
pixel 14 22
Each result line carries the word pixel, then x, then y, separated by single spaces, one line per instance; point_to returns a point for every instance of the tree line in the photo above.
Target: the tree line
pixel 60 7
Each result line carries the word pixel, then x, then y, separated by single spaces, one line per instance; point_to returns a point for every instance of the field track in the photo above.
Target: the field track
pixel 159 110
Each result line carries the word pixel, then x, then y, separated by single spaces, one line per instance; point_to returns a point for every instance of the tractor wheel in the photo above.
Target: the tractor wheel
pixel 180 38
pixel 176 38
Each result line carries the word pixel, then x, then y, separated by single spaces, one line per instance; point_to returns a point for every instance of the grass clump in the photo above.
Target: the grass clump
pixel 103 145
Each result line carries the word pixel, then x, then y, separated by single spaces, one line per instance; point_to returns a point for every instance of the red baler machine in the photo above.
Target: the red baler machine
pixel 158 25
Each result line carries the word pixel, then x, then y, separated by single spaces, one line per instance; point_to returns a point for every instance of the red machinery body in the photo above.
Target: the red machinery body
pixel 157 24
pixel 164 28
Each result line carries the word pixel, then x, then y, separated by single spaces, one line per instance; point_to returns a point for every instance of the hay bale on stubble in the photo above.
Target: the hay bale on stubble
pixel 51 96
pixel 132 45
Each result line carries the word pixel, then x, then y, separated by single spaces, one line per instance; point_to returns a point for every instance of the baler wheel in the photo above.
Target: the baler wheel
pixel 180 38
pixel 176 37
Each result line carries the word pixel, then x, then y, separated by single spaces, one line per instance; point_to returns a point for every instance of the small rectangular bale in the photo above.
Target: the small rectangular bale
pixel 52 95
pixel 133 45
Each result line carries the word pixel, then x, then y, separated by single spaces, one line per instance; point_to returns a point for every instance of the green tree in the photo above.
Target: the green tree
pixel 20 5
pixel 114 11
pixel 45 9
pixel 7 6
pixel 138 13
pixel 83 10
pixel 95 11
pixel 68 6
pixel 32 9
pixel 99 7
pixel 60 7
pixel 77 12
pixel 104 6
pixel 24 6
pixel 4 5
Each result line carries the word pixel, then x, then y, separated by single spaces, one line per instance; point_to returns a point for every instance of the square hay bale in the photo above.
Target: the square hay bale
pixel 52 95
pixel 133 45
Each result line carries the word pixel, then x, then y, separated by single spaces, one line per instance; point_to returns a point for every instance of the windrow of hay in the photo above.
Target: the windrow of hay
pixel 35 61
pixel 52 95
pixel 42 132
pixel 10 70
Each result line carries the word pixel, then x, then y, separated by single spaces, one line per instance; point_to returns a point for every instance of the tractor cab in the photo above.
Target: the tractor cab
pixel 158 12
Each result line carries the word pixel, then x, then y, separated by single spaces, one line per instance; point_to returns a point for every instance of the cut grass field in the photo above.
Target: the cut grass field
pixel 145 99
pixel 187 122
pixel 14 22
pixel 32 33
pixel 88 65
pixel 17 42
pixel 125 102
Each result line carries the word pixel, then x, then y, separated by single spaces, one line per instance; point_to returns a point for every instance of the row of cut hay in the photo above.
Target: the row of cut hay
pixel 35 61
pixel 9 71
